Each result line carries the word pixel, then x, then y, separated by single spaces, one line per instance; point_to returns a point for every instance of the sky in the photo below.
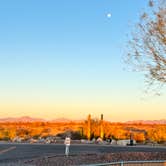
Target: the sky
pixel 64 58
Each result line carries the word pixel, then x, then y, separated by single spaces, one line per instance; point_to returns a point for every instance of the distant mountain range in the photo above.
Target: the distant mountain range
pixel 30 119
pixel 162 121
pixel 22 119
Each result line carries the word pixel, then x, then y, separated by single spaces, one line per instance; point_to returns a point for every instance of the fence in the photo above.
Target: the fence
pixel 132 163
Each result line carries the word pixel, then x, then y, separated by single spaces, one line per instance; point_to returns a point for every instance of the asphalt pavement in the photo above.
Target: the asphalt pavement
pixel 15 152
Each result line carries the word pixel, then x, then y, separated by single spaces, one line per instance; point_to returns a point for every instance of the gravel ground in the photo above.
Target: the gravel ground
pixel 80 159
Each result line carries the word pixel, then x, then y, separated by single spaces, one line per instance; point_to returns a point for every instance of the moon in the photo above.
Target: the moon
pixel 108 15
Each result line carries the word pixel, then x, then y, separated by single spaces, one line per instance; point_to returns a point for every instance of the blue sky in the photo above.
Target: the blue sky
pixel 63 55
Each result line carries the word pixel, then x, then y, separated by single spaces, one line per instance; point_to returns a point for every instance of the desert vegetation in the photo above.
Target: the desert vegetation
pixel 142 133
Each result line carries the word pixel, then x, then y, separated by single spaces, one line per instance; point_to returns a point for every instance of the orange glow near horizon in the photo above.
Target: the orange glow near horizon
pixel 123 112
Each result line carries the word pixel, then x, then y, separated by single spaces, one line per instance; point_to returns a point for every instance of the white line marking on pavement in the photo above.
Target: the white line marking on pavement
pixel 7 150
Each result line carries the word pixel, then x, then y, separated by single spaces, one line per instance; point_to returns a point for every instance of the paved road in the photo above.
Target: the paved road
pixel 14 152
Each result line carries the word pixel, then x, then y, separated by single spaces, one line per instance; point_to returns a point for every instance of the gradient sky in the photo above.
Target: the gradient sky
pixel 64 58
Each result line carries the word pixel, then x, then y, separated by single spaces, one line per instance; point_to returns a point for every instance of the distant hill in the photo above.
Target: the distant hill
pixel 22 119
pixel 30 119
pixel 162 121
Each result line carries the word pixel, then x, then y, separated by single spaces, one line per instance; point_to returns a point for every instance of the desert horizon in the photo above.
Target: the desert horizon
pixel 63 119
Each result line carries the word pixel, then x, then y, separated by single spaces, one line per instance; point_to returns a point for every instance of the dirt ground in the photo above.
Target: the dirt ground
pixel 81 159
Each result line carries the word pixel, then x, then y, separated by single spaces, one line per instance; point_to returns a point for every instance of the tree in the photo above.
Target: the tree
pixel 147 46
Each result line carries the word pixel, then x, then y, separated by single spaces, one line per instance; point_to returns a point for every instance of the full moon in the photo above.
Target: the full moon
pixel 109 15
